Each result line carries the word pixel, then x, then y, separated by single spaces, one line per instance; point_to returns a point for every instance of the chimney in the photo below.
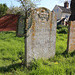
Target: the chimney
pixel 66 4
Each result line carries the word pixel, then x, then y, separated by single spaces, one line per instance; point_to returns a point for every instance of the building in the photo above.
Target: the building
pixel 63 13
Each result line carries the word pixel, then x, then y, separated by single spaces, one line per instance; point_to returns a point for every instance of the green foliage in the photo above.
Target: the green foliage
pixel 3 9
pixel 12 55
pixel 26 4
pixel 62 29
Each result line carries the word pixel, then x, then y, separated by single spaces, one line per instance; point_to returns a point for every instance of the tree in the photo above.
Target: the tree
pixel 3 9
pixel 15 10
pixel 72 7
pixel 26 4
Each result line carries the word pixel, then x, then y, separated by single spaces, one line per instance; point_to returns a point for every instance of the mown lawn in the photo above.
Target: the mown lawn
pixel 12 54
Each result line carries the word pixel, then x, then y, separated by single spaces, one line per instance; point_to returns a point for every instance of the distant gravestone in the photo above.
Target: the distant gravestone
pixel 41 34
pixel 71 37
pixel 20 26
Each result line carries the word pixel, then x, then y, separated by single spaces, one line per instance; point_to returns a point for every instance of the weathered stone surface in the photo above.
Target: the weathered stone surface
pixel 71 37
pixel 41 34
pixel 20 26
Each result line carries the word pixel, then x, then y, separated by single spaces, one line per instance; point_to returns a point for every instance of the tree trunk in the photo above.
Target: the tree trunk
pixel 72 5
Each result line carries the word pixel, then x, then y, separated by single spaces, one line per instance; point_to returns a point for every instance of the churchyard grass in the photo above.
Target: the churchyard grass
pixel 12 55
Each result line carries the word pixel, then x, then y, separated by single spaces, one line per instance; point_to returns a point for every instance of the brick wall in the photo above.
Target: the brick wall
pixel 8 22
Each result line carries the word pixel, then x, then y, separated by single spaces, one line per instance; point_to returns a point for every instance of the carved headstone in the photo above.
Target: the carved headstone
pixel 41 34
pixel 20 26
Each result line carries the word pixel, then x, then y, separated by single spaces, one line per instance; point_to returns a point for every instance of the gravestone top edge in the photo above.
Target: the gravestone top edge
pixel 31 11
pixel 38 8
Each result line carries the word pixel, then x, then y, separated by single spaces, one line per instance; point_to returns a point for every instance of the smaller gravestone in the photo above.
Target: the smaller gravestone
pixel 71 29
pixel 20 26
pixel 71 37
pixel 41 34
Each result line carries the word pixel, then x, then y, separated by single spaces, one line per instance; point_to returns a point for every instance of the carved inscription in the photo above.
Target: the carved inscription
pixel 43 14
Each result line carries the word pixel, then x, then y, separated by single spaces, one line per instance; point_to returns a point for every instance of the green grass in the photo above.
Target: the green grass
pixel 12 52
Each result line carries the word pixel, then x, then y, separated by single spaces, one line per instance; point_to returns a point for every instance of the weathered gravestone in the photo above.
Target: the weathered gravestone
pixel 71 29
pixel 20 26
pixel 71 37
pixel 41 34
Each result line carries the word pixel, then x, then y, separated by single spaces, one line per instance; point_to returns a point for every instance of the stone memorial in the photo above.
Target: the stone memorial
pixel 41 34
pixel 71 37
pixel 71 29
pixel 20 26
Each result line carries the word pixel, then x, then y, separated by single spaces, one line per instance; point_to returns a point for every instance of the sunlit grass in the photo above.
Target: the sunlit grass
pixel 12 50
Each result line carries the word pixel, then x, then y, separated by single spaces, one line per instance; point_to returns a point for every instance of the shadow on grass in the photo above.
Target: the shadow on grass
pixel 10 67
pixel 69 54
pixel 7 32
pixel 73 53
pixel 66 54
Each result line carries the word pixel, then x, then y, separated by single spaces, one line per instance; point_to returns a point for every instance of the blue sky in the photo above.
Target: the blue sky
pixel 44 3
